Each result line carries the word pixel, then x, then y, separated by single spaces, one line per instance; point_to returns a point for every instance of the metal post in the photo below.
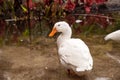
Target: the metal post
pixel 28 17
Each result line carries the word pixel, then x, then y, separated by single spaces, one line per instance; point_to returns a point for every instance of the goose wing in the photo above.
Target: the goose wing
pixel 76 54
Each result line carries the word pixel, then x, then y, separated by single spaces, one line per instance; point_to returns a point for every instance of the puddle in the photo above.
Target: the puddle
pixel 103 78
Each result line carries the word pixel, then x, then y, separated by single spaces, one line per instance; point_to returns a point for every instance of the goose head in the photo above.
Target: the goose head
pixel 62 27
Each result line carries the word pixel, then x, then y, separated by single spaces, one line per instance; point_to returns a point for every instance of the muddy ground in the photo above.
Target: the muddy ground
pixel 39 61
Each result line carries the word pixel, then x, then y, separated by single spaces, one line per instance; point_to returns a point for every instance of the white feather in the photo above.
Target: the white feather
pixel 113 36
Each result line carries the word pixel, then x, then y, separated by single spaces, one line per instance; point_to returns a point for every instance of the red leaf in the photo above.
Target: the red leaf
pixel 70 6
pixel 58 2
pixel 1 1
pixel 31 4
pixel 87 9
pixel 90 2
pixel 70 19
pixel 47 2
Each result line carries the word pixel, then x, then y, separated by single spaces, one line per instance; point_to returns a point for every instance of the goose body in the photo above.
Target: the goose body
pixel 73 53
pixel 113 36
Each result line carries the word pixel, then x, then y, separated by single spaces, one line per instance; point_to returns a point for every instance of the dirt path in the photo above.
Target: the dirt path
pixel 40 61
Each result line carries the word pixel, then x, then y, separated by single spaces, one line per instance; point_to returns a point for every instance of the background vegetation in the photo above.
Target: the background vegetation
pixel 24 20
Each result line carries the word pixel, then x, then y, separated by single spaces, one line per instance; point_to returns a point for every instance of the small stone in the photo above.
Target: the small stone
pixel 46 67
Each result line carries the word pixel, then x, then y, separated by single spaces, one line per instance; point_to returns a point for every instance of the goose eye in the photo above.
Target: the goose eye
pixel 58 24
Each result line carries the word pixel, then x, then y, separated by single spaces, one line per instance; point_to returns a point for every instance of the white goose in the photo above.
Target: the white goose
pixel 113 36
pixel 74 54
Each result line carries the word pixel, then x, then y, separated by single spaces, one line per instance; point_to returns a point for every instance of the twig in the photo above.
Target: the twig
pixel 113 57
pixel 95 15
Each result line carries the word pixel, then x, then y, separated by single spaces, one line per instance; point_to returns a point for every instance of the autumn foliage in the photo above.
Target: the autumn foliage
pixel 52 11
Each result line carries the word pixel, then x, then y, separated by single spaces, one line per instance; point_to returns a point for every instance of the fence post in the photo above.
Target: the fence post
pixel 28 18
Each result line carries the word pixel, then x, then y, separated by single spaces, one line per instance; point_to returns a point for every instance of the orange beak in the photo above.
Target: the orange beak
pixel 52 32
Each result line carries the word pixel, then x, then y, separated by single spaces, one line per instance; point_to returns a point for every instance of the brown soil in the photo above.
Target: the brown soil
pixel 40 61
